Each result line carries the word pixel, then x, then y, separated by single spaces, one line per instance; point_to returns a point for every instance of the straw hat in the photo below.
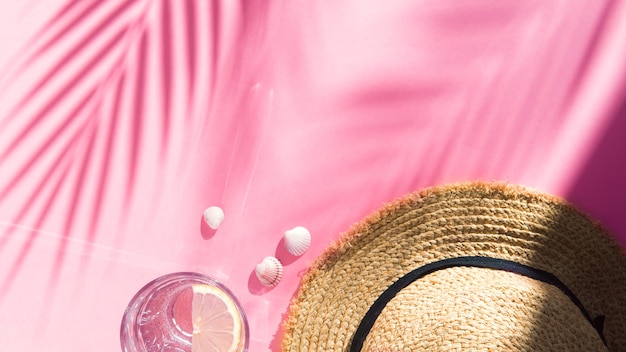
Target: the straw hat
pixel 477 266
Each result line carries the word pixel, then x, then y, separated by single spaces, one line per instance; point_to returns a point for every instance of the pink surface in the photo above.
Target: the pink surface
pixel 121 121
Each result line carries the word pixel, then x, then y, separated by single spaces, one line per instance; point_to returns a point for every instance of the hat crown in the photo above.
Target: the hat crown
pixel 481 309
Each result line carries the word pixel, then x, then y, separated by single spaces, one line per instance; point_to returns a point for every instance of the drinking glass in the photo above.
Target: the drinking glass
pixel 158 318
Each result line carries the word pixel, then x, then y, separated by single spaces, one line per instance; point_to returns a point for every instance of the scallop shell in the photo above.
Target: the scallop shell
pixel 269 271
pixel 213 217
pixel 297 240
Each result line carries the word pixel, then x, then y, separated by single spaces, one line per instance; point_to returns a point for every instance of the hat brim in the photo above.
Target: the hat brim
pixel 472 219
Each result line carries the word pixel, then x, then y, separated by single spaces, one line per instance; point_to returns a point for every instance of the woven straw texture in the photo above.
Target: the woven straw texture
pixel 487 310
pixel 479 309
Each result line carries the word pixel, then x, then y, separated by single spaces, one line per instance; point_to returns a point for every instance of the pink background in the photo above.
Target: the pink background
pixel 121 121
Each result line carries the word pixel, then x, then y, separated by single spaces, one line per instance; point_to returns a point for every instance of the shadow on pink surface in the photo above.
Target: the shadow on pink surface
pixel 77 136
pixel 600 188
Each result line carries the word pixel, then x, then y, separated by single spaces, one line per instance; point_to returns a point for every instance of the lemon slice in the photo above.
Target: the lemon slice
pixel 217 325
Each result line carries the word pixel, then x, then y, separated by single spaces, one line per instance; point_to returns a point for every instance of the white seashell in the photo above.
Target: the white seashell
pixel 213 217
pixel 269 271
pixel 297 240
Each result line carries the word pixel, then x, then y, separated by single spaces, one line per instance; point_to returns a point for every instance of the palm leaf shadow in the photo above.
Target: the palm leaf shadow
pixel 98 58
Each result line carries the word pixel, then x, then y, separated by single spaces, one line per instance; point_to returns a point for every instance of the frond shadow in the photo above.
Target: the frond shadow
pixel 95 66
